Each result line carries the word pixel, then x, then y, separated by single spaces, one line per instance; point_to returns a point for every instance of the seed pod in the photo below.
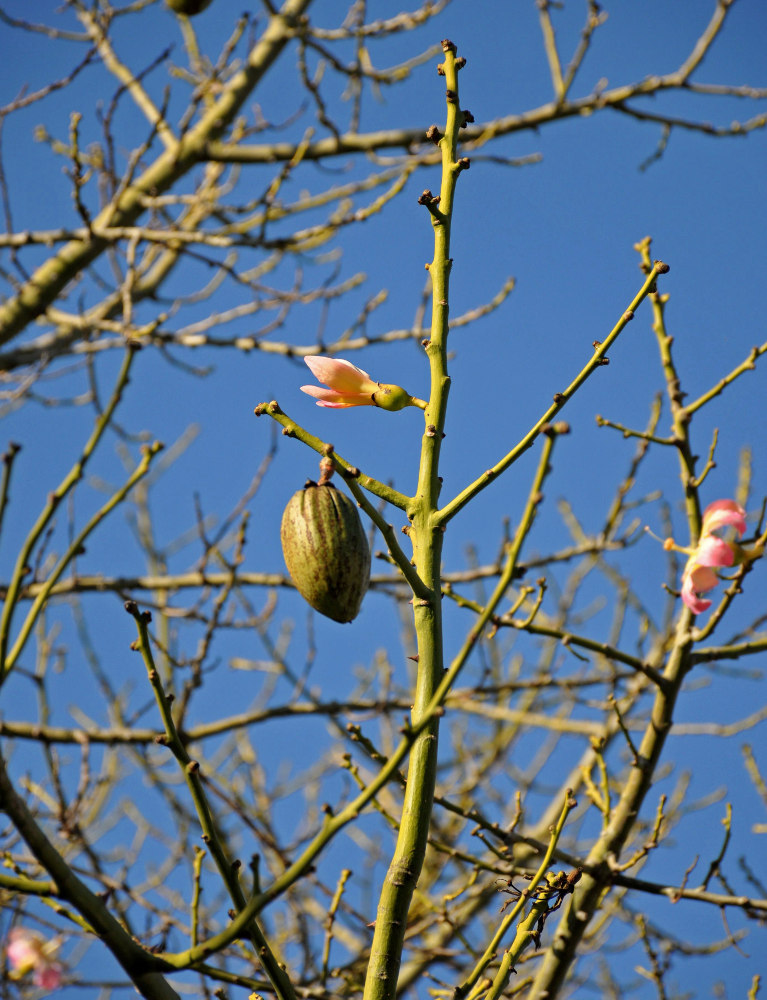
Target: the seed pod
pixel 188 7
pixel 326 551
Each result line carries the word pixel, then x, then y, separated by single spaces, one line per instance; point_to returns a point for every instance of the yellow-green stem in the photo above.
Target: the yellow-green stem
pixel 55 498
pixel 211 833
pixel 426 537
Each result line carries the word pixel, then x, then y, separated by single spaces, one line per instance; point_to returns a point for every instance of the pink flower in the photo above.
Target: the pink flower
pixel 28 952
pixel 711 553
pixel 350 386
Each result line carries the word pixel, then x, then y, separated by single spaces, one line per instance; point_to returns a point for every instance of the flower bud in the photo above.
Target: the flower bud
pixel 326 551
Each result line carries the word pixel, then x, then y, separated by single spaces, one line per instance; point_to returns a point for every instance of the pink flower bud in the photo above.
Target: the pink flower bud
pixel 350 386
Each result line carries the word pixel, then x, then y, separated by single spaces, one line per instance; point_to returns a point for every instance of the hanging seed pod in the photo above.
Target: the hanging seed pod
pixel 188 7
pixel 326 551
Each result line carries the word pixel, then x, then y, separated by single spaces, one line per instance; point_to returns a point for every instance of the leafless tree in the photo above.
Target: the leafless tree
pixel 163 834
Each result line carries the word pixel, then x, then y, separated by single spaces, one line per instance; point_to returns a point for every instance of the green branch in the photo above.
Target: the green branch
pixel 212 836
pixel 75 474
pixel 142 966
pixel 291 429
pixel 560 400
pixel 51 277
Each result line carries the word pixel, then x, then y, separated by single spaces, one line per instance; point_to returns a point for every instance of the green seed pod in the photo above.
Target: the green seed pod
pixel 188 7
pixel 326 551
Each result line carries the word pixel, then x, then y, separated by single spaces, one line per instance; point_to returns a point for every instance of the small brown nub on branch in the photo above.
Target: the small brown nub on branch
pixel 460 62
pixel 425 197
pixel 433 134
pixel 468 118
pixel 451 96
pixel 660 267
pixel 464 163
pixel 558 397
pixel 448 46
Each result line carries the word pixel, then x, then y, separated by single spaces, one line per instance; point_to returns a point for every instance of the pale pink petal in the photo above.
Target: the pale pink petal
pixel 701 578
pixel 694 603
pixel 23 949
pixel 724 513
pixel 340 375
pixel 713 551
pixel 330 397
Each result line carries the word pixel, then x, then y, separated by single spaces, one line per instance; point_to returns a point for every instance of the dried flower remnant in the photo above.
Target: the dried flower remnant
pixel 27 952
pixel 351 386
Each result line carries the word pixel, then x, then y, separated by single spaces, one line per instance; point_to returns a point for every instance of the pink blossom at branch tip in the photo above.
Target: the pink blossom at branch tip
pixel 348 385
pixel 28 952
pixel 711 553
